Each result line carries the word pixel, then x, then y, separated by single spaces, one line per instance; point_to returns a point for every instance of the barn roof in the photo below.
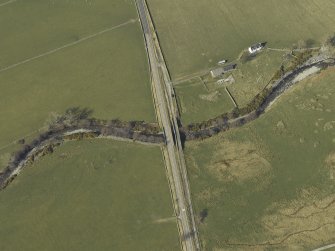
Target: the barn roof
pixel 217 72
pixel 229 67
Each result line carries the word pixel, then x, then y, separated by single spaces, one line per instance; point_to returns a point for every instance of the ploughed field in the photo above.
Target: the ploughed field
pixel 61 54
pixel 90 195
pixel 270 184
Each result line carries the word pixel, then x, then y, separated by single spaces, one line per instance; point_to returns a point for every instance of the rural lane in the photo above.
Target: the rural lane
pixel 325 247
pixel 166 113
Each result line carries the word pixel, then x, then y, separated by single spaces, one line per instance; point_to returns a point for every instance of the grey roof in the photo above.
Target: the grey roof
pixel 217 72
pixel 229 67
pixel 256 46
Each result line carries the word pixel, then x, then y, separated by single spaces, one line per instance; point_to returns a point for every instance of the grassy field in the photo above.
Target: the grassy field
pixel 252 76
pixel 107 73
pixel 195 35
pixel 270 184
pixel 203 98
pixel 32 27
pixel 90 195
pixel 200 102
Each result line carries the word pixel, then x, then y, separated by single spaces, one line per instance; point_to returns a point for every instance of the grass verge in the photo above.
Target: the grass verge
pixel 90 195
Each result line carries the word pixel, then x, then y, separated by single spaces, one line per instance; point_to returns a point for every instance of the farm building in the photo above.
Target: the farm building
pixel 223 61
pixel 229 68
pixel 256 47
pixel 217 72
pixel 220 81
pixel 228 80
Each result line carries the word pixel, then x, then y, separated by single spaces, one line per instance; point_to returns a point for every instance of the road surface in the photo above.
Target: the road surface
pixel 167 116
pixel 325 247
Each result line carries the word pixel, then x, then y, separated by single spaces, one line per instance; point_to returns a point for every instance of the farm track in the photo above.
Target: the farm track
pixel 6 3
pixel 291 50
pixel 67 45
pixel 324 247
pixel 192 76
pixel 199 74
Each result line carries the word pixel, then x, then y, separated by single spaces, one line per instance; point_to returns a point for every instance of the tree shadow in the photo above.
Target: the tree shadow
pixel 78 113
pixel 310 43
pixel 182 138
pixel 203 215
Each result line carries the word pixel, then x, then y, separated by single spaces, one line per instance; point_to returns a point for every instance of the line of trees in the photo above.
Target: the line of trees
pixel 80 118
pixel 240 116
pixel 74 119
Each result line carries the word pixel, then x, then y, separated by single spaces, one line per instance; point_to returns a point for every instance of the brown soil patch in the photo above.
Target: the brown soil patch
pixel 330 160
pixel 210 195
pixel 305 222
pixel 301 224
pixel 212 97
pixel 330 164
pixel 329 126
pixel 238 162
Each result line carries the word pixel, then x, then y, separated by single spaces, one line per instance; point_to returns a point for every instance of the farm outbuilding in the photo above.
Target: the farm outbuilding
pixel 223 61
pixel 229 68
pixel 217 72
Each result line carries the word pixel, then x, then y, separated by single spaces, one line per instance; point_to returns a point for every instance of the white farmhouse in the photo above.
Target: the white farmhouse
pixel 223 61
pixel 256 47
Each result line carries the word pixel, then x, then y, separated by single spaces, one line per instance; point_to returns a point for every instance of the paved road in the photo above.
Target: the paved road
pixel 166 113
pixel 325 247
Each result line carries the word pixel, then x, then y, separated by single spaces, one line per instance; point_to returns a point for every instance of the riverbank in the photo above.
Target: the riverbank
pixel 64 130
pixel 260 104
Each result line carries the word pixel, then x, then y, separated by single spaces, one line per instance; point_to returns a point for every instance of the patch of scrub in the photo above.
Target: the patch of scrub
pixel 329 126
pixel 306 73
pixel 211 97
pixel 238 162
pixel 302 222
pixel 330 164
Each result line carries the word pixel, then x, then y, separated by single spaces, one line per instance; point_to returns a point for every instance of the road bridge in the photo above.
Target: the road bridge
pixel 167 114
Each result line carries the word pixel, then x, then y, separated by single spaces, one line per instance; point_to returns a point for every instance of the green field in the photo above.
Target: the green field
pixel 195 35
pixel 32 27
pixel 251 77
pixel 270 184
pixel 90 195
pixel 203 98
pixel 200 102
pixel 107 73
